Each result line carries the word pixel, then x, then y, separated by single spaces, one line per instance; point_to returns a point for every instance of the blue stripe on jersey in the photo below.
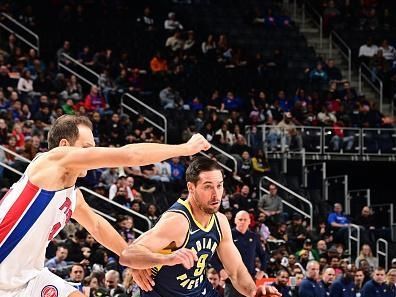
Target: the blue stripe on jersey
pixel 28 220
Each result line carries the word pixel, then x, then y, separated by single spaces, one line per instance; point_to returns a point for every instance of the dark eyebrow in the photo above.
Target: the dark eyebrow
pixel 209 182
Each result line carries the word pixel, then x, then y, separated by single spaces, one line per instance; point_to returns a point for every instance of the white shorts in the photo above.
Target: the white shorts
pixel 46 284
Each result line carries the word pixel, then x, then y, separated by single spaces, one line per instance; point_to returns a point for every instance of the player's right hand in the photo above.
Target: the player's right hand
pixel 143 279
pixel 183 256
pixel 196 144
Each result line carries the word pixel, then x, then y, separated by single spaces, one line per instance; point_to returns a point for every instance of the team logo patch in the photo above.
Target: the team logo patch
pixel 49 291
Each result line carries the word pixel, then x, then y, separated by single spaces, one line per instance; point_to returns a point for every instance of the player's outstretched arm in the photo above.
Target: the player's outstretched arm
pixel 146 251
pixel 233 264
pixel 128 155
pixel 97 226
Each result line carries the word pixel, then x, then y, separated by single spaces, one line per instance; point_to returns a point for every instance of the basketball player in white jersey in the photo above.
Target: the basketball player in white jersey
pixel 39 205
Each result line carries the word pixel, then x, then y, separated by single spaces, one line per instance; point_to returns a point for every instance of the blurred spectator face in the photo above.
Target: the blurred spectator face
pixel 96 117
pixel 214 279
pixel 61 253
pixel 76 273
pixel 359 277
pixel 321 245
pixel 366 250
pixel 335 262
pixel 242 221
pixel 86 251
pixel 111 280
pixel 328 276
pixel 299 278
pixel 364 265
pixel 129 223
pixel 313 270
pixel 379 276
pixel 151 210
pixel 337 208
pixel 392 276
pixel 365 211
pixel 136 207
pixel 262 217
pixel 292 260
pixel 273 190
pixel 94 90
pixel 89 239
pixel 94 284
pixel 283 278
pixel 2 124
pixel 245 191
pixel 323 262
pixel 304 256
pixel 245 155
pixel 344 264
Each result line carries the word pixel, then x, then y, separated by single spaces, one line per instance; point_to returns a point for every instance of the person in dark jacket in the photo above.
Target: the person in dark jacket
pixel 281 283
pixel 327 280
pixel 345 285
pixel 309 286
pixel 377 286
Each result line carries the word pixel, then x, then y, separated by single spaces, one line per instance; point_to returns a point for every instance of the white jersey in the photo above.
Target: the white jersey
pixel 29 218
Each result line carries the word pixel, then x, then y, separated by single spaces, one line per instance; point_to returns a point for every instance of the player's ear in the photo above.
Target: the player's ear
pixel 190 187
pixel 64 142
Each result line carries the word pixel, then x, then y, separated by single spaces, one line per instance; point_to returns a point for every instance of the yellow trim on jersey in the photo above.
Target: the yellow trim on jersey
pixel 211 222
pixel 218 227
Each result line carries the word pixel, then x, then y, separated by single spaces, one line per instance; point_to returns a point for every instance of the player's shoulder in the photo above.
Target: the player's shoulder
pixel 223 221
pixel 172 218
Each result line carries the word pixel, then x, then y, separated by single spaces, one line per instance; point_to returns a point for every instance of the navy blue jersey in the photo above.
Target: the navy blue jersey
pixel 175 281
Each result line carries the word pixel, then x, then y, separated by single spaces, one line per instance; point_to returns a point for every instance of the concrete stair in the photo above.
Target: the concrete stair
pixel 311 33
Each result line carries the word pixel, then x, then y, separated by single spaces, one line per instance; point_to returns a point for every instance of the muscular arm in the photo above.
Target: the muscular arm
pixel 145 251
pixel 232 261
pixel 97 226
pixel 128 155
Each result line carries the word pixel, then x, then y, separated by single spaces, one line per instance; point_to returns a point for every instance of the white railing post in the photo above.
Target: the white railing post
pixel 383 253
pixel 351 238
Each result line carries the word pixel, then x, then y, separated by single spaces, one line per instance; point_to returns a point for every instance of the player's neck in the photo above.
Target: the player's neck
pixel 200 216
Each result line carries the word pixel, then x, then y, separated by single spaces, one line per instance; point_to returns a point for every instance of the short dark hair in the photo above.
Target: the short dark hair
pixel 66 127
pixel 280 271
pixel 198 165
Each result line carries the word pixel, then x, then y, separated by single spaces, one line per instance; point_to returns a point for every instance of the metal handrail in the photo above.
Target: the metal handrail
pixel 347 55
pixel 10 168
pixel 379 90
pixel 65 56
pixel 385 253
pixel 219 150
pixel 310 215
pixel 163 128
pixel 324 175
pixel 18 156
pixel 118 205
pixel 36 37
pixel 318 15
pixel 353 238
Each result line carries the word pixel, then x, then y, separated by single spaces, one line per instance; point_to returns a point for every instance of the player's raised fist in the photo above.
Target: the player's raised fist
pixel 196 144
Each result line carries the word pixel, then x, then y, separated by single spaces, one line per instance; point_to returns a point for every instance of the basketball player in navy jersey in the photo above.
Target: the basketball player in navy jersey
pixel 39 205
pixel 192 230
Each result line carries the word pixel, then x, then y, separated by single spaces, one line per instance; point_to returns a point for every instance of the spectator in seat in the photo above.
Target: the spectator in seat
pixel 292 136
pixel 174 42
pixel 112 282
pixel 339 223
pixel 281 283
pixel 367 51
pixel 333 73
pixel 170 98
pixel 260 165
pixel 296 232
pixel 214 278
pixel 367 254
pixel 171 24
pixel 57 264
pixel 318 77
pixel 366 219
pixel 388 51
pixel 94 101
pixel 376 286
pixel 271 204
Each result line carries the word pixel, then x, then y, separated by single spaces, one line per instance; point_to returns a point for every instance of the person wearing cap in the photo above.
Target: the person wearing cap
pixel 309 286
pixel 344 286
pixel 281 283
pixel 307 246
pixel 296 232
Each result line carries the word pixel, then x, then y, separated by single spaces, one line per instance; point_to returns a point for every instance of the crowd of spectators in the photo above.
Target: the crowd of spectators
pixel 34 92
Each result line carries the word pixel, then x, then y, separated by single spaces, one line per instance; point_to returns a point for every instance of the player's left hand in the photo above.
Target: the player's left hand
pixel 143 279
